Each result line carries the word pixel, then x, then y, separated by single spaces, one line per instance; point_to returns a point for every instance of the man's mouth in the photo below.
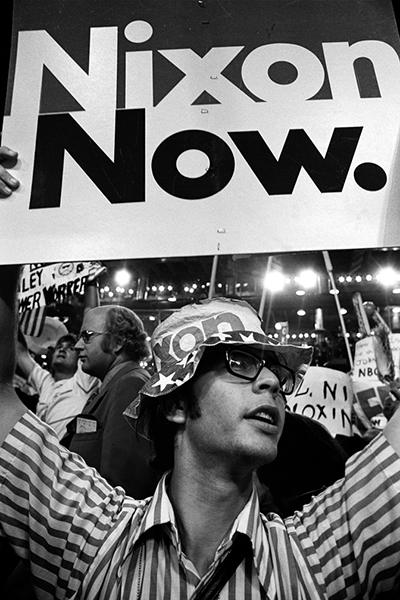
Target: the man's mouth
pixel 266 417
pixel 265 414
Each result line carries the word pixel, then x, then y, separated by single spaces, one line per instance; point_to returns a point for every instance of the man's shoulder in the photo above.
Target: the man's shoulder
pixel 129 371
pixel 125 384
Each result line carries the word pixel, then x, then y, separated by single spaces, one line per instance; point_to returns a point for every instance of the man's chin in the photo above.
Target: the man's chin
pixel 83 365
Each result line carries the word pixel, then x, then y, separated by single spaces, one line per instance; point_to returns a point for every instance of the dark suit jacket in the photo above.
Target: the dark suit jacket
pixel 114 449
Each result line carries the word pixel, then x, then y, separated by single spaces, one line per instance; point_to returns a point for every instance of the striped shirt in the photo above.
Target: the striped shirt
pixel 87 540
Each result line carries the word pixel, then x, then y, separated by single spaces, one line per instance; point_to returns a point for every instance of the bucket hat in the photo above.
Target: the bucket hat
pixel 178 343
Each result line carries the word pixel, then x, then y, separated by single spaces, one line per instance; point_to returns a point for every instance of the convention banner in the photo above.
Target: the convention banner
pixel 195 127
pixel 326 396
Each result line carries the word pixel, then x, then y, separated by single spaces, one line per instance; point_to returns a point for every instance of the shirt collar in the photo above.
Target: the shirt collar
pixel 160 512
pixel 248 522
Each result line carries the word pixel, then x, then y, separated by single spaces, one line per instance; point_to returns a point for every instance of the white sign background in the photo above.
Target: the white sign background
pixel 325 395
pixel 242 217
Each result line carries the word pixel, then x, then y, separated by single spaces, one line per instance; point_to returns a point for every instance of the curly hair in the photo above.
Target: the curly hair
pixel 126 327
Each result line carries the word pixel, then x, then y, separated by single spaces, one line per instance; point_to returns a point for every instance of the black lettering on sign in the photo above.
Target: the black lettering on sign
pixel 279 176
pixel 30 302
pixel 331 390
pixel 120 181
pixel 308 411
pixel 217 176
pixel 299 392
pixel 346 420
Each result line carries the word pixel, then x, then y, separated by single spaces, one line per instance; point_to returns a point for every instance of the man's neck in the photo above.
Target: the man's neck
pixel 60 375
pixel 206 506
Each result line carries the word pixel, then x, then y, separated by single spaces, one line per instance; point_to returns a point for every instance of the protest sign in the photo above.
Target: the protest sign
pixel 369 391
pixel 42 285
pixel 326 396
pixel 181 128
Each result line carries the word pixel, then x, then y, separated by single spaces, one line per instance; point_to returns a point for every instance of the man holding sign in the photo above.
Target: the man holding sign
pixel 216 409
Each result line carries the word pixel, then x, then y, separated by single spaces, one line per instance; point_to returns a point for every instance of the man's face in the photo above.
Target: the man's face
pixel 241 421
pixel 95 360
pixel 65 357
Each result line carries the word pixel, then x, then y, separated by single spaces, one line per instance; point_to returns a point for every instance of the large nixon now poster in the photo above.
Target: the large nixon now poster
pixel 195 127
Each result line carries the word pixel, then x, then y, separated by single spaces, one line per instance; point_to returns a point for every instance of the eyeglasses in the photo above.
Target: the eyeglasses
pixel 87 336
pixel 248 367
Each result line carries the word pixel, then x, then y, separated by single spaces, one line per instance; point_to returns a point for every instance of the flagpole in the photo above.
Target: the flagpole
pixel 264 292
pixel 213 276
pixel 329 269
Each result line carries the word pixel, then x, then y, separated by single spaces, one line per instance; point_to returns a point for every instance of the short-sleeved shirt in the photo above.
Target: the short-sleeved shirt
pixel 60 401
pixel 85 539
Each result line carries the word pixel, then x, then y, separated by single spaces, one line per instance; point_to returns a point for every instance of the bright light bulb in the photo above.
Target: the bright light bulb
pixel 274 281
pixel 387 276
pixel 122 277
pixel 308 278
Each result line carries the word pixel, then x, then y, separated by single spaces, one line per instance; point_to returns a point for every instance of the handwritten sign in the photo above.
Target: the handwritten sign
pixel 42 285
pixel 325 395
pixel 186 128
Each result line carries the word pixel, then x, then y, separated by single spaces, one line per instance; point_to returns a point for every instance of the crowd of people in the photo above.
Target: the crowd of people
pixel 182 483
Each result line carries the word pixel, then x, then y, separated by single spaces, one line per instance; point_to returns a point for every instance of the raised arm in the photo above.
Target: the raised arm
pixel 25 361
pixel 11 406
pixel 91 298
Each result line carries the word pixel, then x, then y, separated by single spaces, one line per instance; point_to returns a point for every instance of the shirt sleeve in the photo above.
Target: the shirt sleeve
pixel 351 532
pixel 54 510
pixel 43 383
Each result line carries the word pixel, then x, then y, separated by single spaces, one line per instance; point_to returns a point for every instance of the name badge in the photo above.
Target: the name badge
pixel 86 425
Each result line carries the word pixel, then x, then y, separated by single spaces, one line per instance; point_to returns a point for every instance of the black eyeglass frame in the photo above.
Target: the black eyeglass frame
pixel 87 335
pixel 262 363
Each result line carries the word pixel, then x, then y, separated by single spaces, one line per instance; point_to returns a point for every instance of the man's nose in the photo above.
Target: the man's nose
pixel 79 344
pixel 267 381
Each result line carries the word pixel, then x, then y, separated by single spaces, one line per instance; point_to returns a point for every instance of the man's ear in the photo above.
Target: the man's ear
pixel 117 344
pixel 175 411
